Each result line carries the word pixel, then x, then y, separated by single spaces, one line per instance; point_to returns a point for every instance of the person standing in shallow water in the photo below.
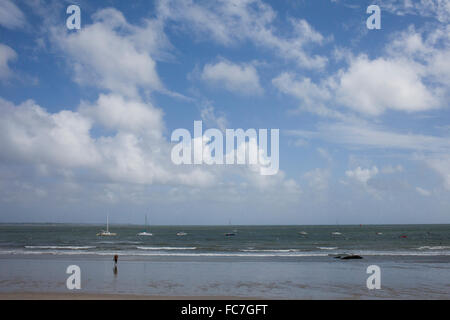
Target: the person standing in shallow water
pixel 116 257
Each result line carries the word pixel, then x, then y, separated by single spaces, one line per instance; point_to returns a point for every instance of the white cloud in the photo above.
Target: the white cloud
pixel 441 165
pixel 439 9
pixel 431 49
pixel 318 179
pixel 369 87
pixel 412 76
pixel 116 112
pixel 313 98
pixel 29 134
pixel 392 169
pixel 368 136
pixel 240 78
pixel 11 16
pixel 305 90
pixel 372 86
pixel 365 135
pixel 423 192
pixel 434 151
pixel 62 147
pixel 7 55
pixel 325 154
pixel 362 175
pixel 213 119
pixel 229 22
pixel 109 54
pixel 63 141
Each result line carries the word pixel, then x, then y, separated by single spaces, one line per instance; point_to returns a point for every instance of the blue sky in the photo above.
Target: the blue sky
pixel 87 114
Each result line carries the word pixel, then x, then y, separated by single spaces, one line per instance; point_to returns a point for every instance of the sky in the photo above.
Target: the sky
pixel 87 115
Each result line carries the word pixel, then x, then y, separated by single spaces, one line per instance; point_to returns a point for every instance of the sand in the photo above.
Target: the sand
pixel 94 296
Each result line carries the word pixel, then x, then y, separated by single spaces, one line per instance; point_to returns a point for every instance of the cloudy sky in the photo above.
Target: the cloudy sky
pixel 87 115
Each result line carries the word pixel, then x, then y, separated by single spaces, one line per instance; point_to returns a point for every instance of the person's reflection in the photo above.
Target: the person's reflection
pixel 115 271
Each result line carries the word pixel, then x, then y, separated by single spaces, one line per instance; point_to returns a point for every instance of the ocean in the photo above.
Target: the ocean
pixel 244 261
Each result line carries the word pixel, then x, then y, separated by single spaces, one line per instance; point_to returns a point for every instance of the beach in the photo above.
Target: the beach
pixel 205 264
pixel 218 278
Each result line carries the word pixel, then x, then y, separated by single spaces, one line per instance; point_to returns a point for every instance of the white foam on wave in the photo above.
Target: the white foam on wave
pixel 120 242
pixel 61 247
pixel 166 248
pixel 219 254
pixel 434 248
pixel 327 248
pixel 270 250
pixel 179 254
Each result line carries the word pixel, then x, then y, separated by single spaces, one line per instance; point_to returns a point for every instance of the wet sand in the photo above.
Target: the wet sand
pixel 43 277
pixel 91 296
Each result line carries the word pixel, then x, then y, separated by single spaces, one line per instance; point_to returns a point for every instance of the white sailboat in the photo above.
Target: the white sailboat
pixel 145 233
pixel 106 233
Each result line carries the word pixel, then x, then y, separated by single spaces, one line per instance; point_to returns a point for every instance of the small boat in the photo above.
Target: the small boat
pixel 336 233
pixel 106 233
pixel 230 234
pixel 181 234
pixel 145 233
pixel 303 233
pixel 379 233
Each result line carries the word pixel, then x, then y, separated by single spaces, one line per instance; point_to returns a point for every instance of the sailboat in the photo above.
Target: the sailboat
pixel 106 233
pixel 145 233
pixel 230 234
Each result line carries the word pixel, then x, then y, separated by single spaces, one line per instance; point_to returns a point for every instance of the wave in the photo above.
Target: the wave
pixel 61 247
pixel 148 254
pixel 248 254
pixel 119 242
pixel 327 248
pixel 270 250
pixel 434 248
pixel 166 248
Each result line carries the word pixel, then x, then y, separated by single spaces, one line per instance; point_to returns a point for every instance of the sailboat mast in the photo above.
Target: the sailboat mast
pixel 107 223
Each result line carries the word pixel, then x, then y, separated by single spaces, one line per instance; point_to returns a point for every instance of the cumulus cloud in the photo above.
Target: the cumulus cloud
pixel 29 134
pixel 109 53
pixel 239 78
pixel 115 112
pixel 362 175
pixel 372 86
pixel 314 98
pixel 63 140
pixel 412 76
pixel 130 150
pixel 440 163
